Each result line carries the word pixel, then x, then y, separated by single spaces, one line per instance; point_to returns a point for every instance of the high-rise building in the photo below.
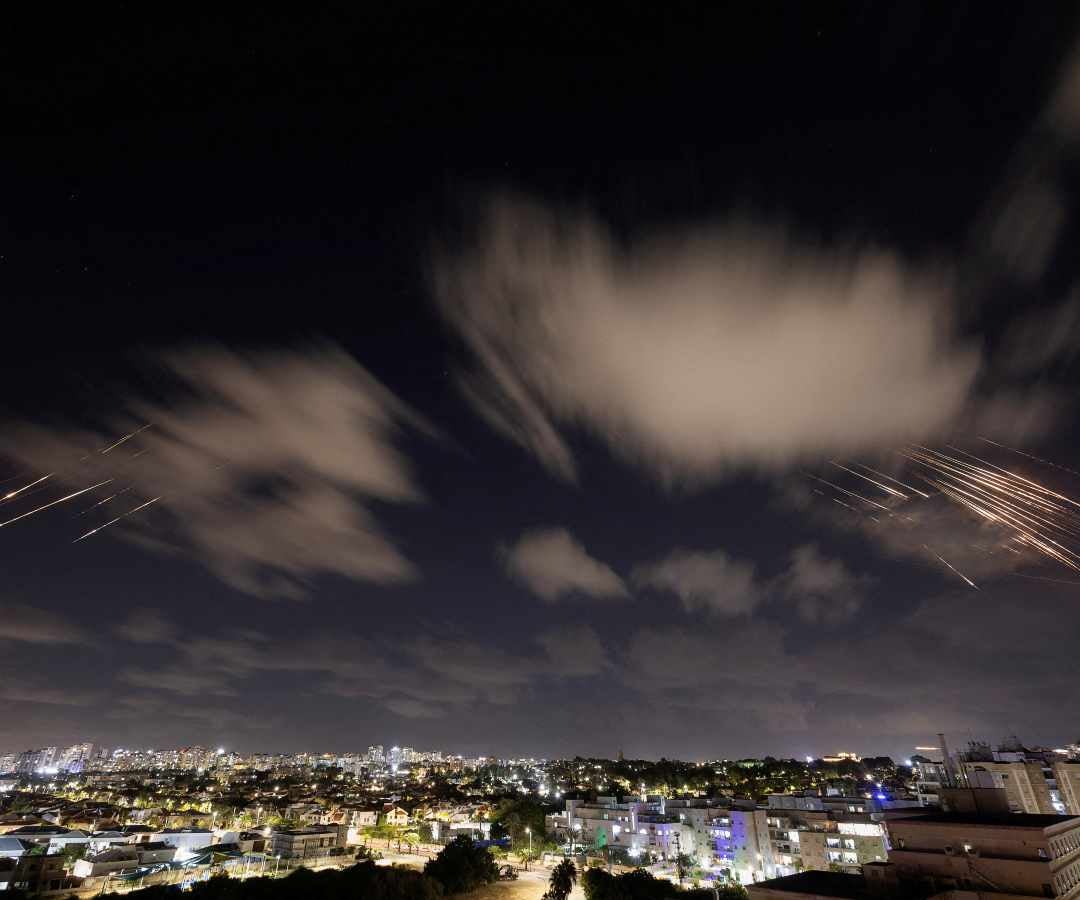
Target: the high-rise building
pixel 375 755
pixel 75 757
pixel 40 760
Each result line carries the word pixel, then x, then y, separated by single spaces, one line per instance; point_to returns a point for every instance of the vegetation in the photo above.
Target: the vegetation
pixel 562 881
pixel 599 884
pixel 462 866
pixel 516 818
pixel 365 880
pixel 589 778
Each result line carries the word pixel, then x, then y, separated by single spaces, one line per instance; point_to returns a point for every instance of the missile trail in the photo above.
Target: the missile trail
pixel 54 502
pixel 117 519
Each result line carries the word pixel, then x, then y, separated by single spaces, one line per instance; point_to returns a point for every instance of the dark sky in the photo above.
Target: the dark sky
pixel 488 356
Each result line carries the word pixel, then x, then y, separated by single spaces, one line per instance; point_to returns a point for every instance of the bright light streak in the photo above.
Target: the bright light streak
pixel 114 521
pixel 106 500
pixel 54 502
pixel 11 494
pixel 902 484
pixel 888 490
pixel 126 437
pixel 951 566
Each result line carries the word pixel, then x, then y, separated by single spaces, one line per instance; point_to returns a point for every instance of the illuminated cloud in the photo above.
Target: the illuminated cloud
pixel 1023 223
pixel 29 625
pixel 824 590
pixel 262 464
pixel 704 581
pixel 702 351
pixel 552 564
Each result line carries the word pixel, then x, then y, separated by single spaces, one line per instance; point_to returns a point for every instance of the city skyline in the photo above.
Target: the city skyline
pixel 544 383
pixel 88 751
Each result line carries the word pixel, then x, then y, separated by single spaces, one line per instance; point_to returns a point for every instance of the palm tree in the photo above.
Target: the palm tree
pixel 563 879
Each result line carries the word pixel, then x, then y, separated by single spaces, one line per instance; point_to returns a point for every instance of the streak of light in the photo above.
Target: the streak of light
pixel 78 493
pixel 842 503
pixel 846 491
pixel 106 500
pixel 117 519
pixel 951 566
pixel 1027 481
pixel 1043 578
pixel 1038 459
pixel 888 490
pixel 126 437
pixel 914 490
pixel 11 494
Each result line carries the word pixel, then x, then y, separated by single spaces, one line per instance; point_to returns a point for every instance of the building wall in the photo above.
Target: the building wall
pixel 994 874
pixel 1068 782
pixel 998 857
pixel 290 845
pixel 1024 783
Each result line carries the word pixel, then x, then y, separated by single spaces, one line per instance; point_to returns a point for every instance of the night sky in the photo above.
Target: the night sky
pixel 490 358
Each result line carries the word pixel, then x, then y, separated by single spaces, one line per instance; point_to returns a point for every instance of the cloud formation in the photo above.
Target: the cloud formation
pixel 704 581
pixel 824 590
pixel 552 564
pixel 701 352
pixel 426 677
pixel 262 464
pixel 1023 223
pixel 26 624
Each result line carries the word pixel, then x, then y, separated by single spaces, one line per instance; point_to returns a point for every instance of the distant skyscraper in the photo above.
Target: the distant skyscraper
pixel 375 754
pixel 75 757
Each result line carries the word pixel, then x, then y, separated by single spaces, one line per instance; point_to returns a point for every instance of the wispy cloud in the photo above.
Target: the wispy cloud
pixel 30 625
pixel 705 581
pixel 263 464
pixel 553 564
pixel 700 352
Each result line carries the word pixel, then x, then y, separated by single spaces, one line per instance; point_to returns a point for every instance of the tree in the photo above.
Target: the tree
pixel 365 880
pixel 683 864
pixel 462 866
pixel 640 885
pixel 562 881
pixel 73 852
pixel 516 818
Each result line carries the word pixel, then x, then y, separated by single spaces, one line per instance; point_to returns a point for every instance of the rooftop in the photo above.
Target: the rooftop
pixel 825 884
pixel 1008 820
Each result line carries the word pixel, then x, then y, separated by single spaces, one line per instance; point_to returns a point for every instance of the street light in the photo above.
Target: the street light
pixel 528 831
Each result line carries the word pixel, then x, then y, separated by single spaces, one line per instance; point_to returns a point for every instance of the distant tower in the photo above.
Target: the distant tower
pixel 620 757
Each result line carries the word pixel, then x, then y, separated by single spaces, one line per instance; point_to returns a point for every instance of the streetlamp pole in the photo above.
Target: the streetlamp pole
pixel 528 831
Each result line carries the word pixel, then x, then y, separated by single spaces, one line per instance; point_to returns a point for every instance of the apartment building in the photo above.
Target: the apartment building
pixel 304 843
pixel 1067 778
pixel 1027 786
pixel 954 856
pixel 1035 855
pixel 740 841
